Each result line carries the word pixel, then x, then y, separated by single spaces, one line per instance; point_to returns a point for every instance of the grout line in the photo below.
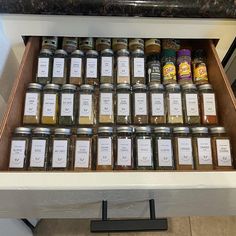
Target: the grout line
pixel 191 233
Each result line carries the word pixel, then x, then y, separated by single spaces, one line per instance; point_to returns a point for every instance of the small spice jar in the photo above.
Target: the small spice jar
pixel 207 104
pixel 44 70
pixel 152 46
pixel 123 104
pixel 173 44
pixel 86 114
pixel 199 67
pixel 83 153
pixel 106 104
pixel 39 154
pixel 123 67
pixel 153 69
pixel 124 148
pixel 184 66
pixel 50 104
pixel 221 149
pixel 143 148
pixel 202 148
pixel 69 44
pixel 76 67
pixel 86 44
pixel 105 149
pixel 140 105
pixel 59 72
pixel 183 148
pixel 157 104
pixel 102 44
pixel 67 105
pixel 138 67
pixel 119 43
pixel 91 75
pixel 163 149
pixel 135 44
pixel 107 67
pixel 20 146
pixel 191 104
pixel 32 106
pixel 50 43
pixel 174 104
pixel 61 150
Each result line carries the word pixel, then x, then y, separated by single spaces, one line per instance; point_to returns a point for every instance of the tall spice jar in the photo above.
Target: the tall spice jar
pixel 138 67
pixel 103 44
pixel 91 75
pixel 123 67
pixel 153 68
pixel 107 67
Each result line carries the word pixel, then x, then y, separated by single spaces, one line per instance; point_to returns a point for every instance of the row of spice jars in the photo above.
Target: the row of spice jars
pixel 124 150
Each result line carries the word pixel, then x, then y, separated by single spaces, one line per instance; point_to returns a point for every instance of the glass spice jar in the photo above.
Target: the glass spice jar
pixel 32 106
pixel 86 44
pixel 50 43
pixel 153 68
pixel 83 154
pixel 91 75
pixel 173 44
pixel 20 146
pixel 123 67
pixel 50 104
pixel 138 67
pixel 105 149
pixel 152 46
pixel 135 44
pixel 103 44
pixel 44 69
pixel 208 105
pixel 119 43
pixel 69 44
pixel 221 149
pixel 107 65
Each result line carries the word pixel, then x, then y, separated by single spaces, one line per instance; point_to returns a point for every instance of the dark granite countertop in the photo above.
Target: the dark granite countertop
pixel 147 8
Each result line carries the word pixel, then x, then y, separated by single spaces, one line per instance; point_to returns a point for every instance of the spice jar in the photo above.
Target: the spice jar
pixel 105 148
pixel 20 145
pixel 184 66
pixel 106 104
pixel 59 67
pixel 144 148
pixel 190 104
pixel 44 70
pixel 123 104
pixel 69 44
pixel 183 148
pixel 86 44
pixel 76 67
pixel 50 104
pixel 153 69
pixel 86 105
pixel 173 44
pixel 119 43
pixel 152 46
pixel 138 67
pixel 199 67
pixel 157 104
pixel 123 64
pixel 174 104
pixel 91 76
pixel 124 148
pixel 83 150
pixel 67 105
pixel 202 148
pixel 102 44
pixel 32 107
pixel 168 62
pixel 50 43
pixel 221 149
pixel 208 104
pixel 107 65
pixel 163 150
pixel 39 153
pixel 135 44
pixel 61 150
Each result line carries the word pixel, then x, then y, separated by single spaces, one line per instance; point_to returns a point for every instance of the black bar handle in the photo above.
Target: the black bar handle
pixel 152 209
pixel 104 210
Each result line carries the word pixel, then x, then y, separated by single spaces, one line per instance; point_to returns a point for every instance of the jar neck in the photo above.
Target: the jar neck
pixel 124 134
pixel 84 135
pixel 40 135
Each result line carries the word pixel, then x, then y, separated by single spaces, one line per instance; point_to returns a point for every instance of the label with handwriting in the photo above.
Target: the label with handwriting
pixel 85 105
pixel 223 152
pixel 67 104
pixel 106 104
pixel 157 104
pixel 43 66
pixel 106 66
pixel 123 67
pixel 58 67
pixel 59 154
pixel 139 67
pixel 124 152
pixel 104 151
pixel 31 104
pixel 37 155
pixel 123 105
pixel 17 154
pixel 91 67
pixel 82 150
pixel 75 67
pixel 209 104
pixel 204 151
pixel 165 153
pixel 140 104
pixel 49 105
pixel 185 151
pixel 175 104
pixel 144 152
pixel 192 104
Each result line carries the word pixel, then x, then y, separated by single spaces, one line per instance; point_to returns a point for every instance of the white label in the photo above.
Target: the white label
pixel 106 104
pixel 75 67
pixel 37 156
pixel 204 151
pixel 157 104
pixel 104 151
pixel 175 104
pixel 106 66
pixel 140 103
pixel 123 66
pixel 124 152
pixel 144 152
pixel 223 152
pixel 43 64
pixel 192 104
pixel 82 150
pixel 165 152
pixel 49 105
pixel 91 68
pixel 67 104
pixel 138 67
pixel 209 104
pixel 123 104
pixel 31 104
pixel 58 67
pixel 185 151
pixel 59 155
pixel 85 105
pixel 17 154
